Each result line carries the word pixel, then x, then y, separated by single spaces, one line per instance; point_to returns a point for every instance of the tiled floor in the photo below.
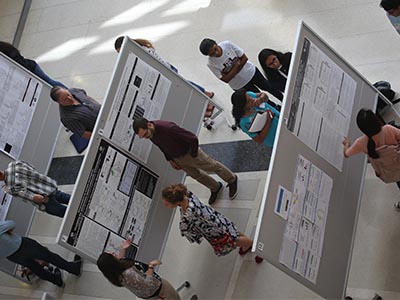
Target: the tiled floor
pixel 73 41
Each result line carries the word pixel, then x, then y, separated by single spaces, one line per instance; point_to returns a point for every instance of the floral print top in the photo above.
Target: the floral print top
pixel 200 220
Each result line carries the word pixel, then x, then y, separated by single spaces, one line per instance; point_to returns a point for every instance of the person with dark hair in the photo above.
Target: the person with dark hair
pixel 78 111
pixel 25 182
pixel 392 8
pixel 230 64
pixel 136 276
pixel 182 151
pixel 26 252
pixel 149 48
pixel 198 221
pixel 245 107
pixel 276 67
pixel 29 64
pixel 375 135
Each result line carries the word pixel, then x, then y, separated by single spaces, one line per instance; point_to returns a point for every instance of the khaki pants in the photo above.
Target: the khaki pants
pixel 196 167
pixel 168 292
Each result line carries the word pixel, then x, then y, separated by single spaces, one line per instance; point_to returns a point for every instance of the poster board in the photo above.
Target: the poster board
pixel 29 132
pixel 120 182
pixel 312 241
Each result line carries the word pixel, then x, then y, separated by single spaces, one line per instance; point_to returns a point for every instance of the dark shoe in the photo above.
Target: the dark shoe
pixel 214 195
pixel 59 280
pixel 233 189
pixel 397 205
pixel 258 259
pixel 78 265
pixel 243 252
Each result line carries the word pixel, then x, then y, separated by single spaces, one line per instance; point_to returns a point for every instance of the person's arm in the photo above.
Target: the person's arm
pixel 261 97
pixel 226 77
pixel 346 146
pixel 260 137
pixel 124 246
pixel 152 264
pixel 7 226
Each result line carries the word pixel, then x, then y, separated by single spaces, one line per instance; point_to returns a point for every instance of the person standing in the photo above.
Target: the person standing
pixel 392 8
pixel 230 64
pixel 24 181
pixel 275 66
pixel 182 151
pixel 199 221
pixel 26 252
pixel 136 276
pixel 29 64
pixel 78 111
pixel 375 136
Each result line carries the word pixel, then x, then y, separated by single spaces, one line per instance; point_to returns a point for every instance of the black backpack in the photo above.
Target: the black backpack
pixel 385 88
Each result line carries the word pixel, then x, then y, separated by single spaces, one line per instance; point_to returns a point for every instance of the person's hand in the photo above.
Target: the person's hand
pixel 154 263
pixel 346 142
pixel 40 198
pixel 270 114
pixel 174 165
pixel 126 243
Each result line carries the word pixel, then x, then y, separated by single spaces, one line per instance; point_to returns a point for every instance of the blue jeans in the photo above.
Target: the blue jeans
pixel 30 250
pixel 39 72
pixel 57 204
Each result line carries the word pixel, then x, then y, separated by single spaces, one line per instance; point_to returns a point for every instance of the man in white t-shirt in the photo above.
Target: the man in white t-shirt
pixel 392 8
pixel 230 64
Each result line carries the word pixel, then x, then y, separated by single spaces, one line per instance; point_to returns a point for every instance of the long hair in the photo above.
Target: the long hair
pixel 239 101
pixel 112 267
pixel 174 193
pixel 370 125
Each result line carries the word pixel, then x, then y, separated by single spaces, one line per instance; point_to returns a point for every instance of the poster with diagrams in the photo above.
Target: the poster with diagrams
pixel 115 204
pixel 303 236
pixel 322 104
pixel 19 93
pixel 142 92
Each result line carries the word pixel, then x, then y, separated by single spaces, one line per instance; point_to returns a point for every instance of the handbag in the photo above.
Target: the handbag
pixel 387 166
pixel 223 245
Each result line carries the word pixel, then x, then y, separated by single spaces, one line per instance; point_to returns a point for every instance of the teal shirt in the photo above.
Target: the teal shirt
pixel 9 243
pixel 245 123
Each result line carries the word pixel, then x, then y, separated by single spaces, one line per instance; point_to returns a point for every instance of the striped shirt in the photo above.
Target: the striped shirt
pixel 82 117
pixel 24 181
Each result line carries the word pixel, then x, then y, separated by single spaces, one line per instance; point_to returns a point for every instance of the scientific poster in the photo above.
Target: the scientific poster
pixel 116 202
pixel 322 104
pixel 19 93
pixel 303 237
pixel 142 92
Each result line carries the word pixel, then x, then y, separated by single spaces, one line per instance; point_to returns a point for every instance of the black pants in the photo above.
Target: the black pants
pixel 31 250
pixel 259 82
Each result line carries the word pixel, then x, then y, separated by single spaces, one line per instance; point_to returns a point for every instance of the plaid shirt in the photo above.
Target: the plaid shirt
pixel 24 181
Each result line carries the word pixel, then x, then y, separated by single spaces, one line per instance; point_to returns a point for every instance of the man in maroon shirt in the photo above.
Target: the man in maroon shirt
pixel 181 149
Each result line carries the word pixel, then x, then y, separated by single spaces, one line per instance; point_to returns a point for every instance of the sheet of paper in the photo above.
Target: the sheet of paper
pixel 305 226
pixel 92 238
pixel 322 104
pixel 282 203
pixel 19 93
pixel 142 92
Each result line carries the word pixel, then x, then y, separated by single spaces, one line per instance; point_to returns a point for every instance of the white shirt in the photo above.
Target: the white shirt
pixel 230 54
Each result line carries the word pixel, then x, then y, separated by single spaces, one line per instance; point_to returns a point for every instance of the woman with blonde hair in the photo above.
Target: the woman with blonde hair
pixel 200 221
